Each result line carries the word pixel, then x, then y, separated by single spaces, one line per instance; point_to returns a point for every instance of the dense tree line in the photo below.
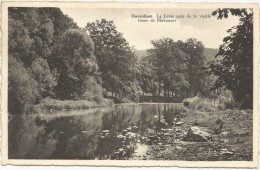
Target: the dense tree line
pixel 174 68
pixel 50 56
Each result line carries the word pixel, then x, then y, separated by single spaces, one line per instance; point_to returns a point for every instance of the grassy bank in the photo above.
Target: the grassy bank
pixel 236 135
pixel 54 104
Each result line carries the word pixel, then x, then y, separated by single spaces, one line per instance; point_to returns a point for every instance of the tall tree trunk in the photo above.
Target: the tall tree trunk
pixel 159 90
pixel 195 93
pixel 159 120
pixel 165 91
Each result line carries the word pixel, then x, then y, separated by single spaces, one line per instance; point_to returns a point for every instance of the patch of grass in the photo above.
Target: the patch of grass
pixel 54 104
pixel 200 112
pixel 235 121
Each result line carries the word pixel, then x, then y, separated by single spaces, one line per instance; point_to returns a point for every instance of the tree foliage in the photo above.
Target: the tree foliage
pixel 178 66
pixel 196 61
pixel 76 64
pixel 45 79
pixel 147 76
pixel 22 87
pixel 170 63
pixel 30 34
pixel 116 59
pixel 49 55
pixel 235 68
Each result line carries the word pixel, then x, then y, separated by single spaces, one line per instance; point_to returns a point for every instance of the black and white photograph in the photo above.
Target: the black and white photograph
pixel 129 82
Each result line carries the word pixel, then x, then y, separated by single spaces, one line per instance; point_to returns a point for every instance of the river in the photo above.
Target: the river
pixel 118 132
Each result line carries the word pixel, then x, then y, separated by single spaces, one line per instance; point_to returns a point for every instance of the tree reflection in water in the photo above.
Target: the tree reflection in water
pixel 105 133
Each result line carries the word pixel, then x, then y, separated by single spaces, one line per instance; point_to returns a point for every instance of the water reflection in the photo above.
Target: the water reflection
pixel 106 133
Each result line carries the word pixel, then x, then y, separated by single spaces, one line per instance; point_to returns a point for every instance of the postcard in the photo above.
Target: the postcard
pixel 130 84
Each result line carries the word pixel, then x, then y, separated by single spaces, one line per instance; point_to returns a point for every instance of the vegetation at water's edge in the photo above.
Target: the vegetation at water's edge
pixel 55 105
pixel 202 112
pixel 51 57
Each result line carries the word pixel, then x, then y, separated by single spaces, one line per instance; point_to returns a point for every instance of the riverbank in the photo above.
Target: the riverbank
pixel 56 105
pixel 204 133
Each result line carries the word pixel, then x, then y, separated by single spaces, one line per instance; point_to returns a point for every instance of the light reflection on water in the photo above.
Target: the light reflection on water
pixel 86 134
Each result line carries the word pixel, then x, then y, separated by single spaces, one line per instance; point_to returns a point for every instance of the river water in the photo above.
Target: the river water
pixel 118 132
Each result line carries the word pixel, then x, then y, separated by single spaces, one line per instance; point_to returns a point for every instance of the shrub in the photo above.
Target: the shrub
pixel 191 102
pixel 186 103
pixel 93 92
pixel 197 103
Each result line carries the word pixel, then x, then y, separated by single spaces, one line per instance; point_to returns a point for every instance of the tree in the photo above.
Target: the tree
pixel 235 68
pixel 46 80
pixel 76 64
pixel 30 34
pixel 46 53
pixel 169 61
pixel 61 23
pixel 195 62
pixel 109 43
pixel 22 87
pixel 147 76
pixel 116 59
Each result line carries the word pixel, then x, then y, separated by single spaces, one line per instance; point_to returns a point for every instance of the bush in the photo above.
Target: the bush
pixel 93 91
pixel 197 103
pixel 186 103
pixel 191 102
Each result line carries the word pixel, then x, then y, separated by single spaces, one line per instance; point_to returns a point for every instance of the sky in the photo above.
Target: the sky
pixel 208 30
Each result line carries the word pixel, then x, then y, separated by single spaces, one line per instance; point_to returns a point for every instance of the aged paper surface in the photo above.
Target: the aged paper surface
pixel 55 137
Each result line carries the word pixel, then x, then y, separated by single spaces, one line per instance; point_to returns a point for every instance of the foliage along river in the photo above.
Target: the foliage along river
pixel 118 132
